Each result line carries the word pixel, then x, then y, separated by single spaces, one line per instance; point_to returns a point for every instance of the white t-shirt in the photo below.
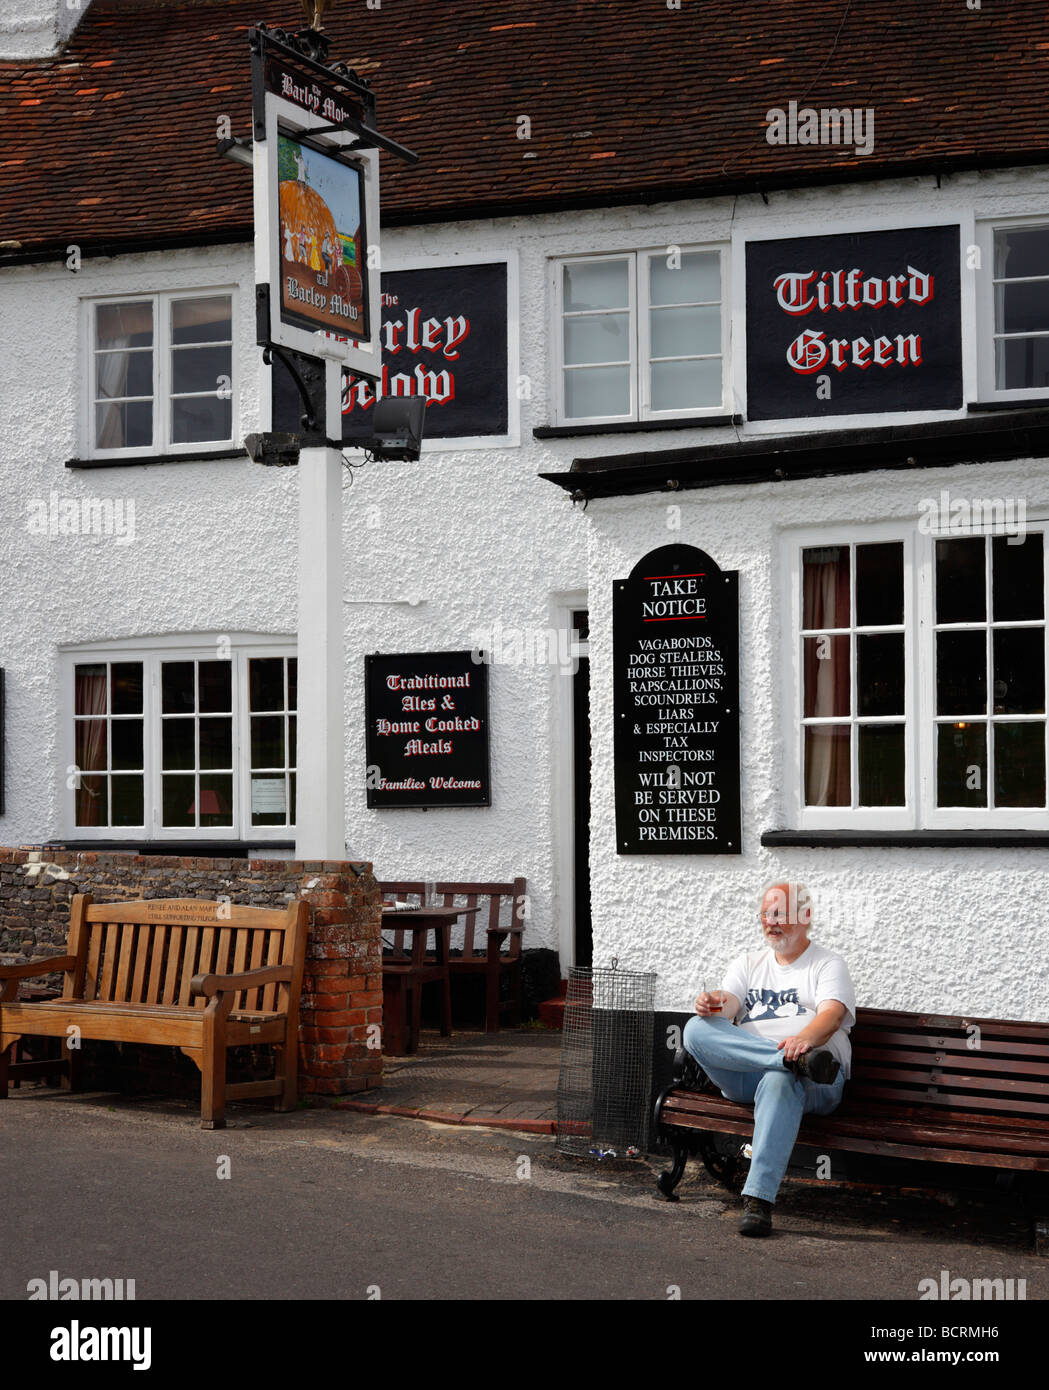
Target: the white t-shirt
pixel 778 1001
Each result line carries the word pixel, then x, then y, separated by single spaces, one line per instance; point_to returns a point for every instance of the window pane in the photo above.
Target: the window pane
pixel 825 577
pixel 126 735
pixel 292 741
pixel 124 426
pixel 598 338
pixel 267 741
pixel 120 374
pixel 684 332
pixel 216 687
pixel 696 281
pixel 266 683
pixel 879 584
pixel 126 679
pixel 177 740
pixel 827 775
pixel 1019 670
pixel 128 801
pixel 961 765
pixel 1021 363
pixel 961 583
pixel 124 325
pixel 882 765
pixel 1021 252
pixel 961 673
pixel 268 801
pixel 199 369
pixel 179 800
pixel 293 682
pixel 596 285
pixel 176 687
pixel 90 682
pixel 686 385
pixel 197 419
pixel 826 677
pixel 1022 308
pixel 879 673
pixel 1017 581
pixel 91 797
pixel 1019 764
pixel 291 779
pixel 91 752
pixel 216 743
pixel 216 799
pixel 201 320
pixel 597 391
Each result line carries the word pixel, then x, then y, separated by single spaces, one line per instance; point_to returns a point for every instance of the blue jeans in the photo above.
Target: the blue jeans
pixel 750 1069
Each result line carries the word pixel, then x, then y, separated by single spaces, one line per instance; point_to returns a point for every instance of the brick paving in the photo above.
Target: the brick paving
pixel 507 1080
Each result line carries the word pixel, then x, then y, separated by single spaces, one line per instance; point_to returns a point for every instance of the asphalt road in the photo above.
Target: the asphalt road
pixel 328 1204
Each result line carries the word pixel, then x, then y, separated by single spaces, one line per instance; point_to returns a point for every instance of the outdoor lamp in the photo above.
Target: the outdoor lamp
pixel 398 423
pixel 235 147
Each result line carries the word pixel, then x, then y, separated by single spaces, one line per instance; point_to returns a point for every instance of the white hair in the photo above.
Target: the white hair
pixel 799 899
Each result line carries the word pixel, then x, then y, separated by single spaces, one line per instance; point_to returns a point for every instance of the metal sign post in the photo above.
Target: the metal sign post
pixel 316 168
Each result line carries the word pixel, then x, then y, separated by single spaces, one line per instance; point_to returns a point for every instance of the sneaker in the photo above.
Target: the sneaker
pixel 757 1217
pixel 820 1066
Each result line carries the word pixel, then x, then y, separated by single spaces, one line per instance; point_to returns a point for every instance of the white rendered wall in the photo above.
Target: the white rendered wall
pixel 37 28
pixel 479 538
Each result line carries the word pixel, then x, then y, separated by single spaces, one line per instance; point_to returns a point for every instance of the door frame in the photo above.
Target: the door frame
pixel 562 749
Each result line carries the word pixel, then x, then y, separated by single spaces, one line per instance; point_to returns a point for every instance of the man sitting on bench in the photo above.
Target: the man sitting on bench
pixel 776 1036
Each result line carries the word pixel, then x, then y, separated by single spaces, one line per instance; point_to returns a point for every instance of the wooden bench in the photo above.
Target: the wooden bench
pixel 200 976
pixel 919 1089
pixel 485 931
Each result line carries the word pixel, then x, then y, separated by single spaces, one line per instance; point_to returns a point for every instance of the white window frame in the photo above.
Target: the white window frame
pixel 640 411
pixel 151 652
pixel 985 231
pixel 162 445
pixel 920 810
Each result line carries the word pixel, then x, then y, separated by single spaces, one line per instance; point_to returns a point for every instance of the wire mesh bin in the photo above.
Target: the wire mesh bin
pixel 605 1082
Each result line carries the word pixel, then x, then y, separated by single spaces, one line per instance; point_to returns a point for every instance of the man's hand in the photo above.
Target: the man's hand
pixel 711 1002
pixel 793 1048
pixel 828 1019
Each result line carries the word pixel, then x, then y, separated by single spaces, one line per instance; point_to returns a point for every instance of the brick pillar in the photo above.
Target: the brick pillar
pixel 342 985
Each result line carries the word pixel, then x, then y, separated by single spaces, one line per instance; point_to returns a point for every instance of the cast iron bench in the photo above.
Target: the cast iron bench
pixel 972 1091
pixel 486 958
pixel 200 976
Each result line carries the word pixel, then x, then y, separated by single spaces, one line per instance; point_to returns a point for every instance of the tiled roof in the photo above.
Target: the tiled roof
pixel 113 142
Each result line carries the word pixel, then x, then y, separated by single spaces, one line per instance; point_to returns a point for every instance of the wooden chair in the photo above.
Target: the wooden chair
pixel 200 976
pixel 500 920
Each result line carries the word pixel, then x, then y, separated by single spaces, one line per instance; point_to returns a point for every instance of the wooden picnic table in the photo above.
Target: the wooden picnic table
pixel 405 971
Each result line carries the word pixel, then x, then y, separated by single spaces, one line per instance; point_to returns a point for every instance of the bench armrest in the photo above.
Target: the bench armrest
pixel 247 979
pixel 43 965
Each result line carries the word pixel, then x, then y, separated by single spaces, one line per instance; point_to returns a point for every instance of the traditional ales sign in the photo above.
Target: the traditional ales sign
pixel 675 634
pixel 854 324
pixel 426 729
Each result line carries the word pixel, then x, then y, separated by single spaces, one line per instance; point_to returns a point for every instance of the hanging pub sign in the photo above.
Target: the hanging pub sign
pixel 316 207
pixel 443 335
pixel 675 688
pixel 426 729
pixel 857 323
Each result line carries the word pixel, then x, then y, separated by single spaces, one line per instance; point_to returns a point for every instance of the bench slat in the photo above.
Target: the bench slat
pixel 253 997
pixel 240 956
pixel 1005 1067
pixel 94 950
pixel 109 961
pixel 860 1090
pixel 870 1038
pixel 273 957
pixel 997 1027
pixel 189 960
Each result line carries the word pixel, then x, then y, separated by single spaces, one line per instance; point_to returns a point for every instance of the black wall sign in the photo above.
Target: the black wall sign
pixel 675 641
pixel 426 732
pixel 443 335
pixel 853 324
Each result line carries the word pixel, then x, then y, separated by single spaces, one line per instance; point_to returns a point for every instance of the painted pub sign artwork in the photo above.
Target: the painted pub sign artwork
pixel 426 729
pixel 321 237
pixel 855 323
pixel 675 686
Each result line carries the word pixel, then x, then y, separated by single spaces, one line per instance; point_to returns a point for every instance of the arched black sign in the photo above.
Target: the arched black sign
pixel 675 631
